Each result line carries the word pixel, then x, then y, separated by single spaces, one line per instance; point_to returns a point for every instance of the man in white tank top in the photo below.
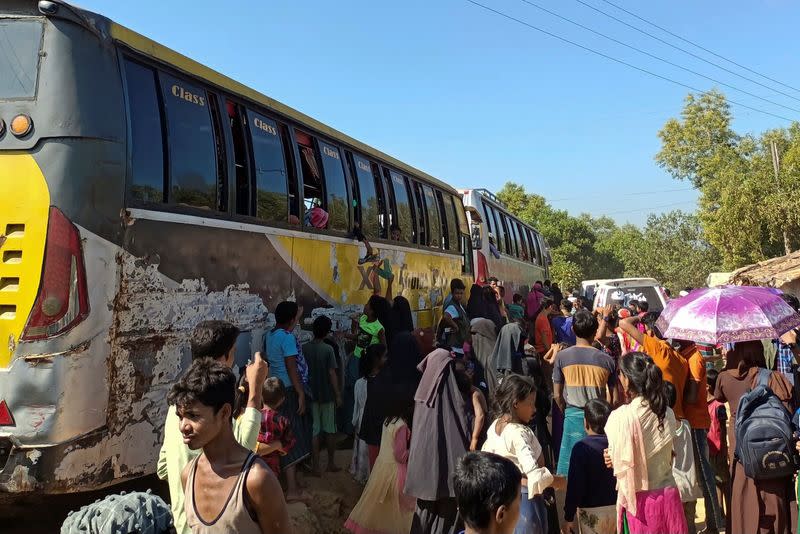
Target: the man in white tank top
pixel 227 488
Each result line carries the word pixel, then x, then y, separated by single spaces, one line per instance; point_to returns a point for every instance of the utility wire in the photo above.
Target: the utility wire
pixel 621 62
pixel 636 194
pixel 668 62
pixel 684 50
pixel 649 208
pixel 698 46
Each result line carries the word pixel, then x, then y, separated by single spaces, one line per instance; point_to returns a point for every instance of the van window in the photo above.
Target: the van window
pixel 193 170
pixel 272 192
pixel 338 206
pixel 146 182
pixel 624 295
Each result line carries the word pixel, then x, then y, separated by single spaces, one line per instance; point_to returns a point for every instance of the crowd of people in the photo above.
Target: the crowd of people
pixel 535 414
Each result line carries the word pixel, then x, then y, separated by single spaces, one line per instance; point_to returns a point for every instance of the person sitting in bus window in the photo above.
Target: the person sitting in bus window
pixel 395 234
pixel 316 217
pixel 492 247
pixel 213 340
pixel 204 400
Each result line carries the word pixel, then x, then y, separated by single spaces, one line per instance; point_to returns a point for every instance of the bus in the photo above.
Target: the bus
pixel 522 254
pixel 141 193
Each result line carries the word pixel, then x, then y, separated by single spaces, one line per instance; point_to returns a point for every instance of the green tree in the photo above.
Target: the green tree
pixel 673 250
pixel 572 240
pixel 745 213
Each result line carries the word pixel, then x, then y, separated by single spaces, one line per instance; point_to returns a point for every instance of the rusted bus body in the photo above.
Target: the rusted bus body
pixel 524 254
pixel 100 288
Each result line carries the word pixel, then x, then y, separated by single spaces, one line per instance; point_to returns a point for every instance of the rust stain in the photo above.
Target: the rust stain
pixel 34 359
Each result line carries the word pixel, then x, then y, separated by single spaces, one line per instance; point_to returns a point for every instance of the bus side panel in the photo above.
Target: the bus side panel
pixel 332 271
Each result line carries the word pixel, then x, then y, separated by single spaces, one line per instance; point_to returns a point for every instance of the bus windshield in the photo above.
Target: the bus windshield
pixel 20 41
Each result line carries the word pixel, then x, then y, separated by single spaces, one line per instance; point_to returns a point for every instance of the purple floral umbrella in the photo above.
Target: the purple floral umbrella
pixel 727 314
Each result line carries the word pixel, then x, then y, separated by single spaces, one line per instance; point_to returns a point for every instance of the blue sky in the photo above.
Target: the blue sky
pixel 476 99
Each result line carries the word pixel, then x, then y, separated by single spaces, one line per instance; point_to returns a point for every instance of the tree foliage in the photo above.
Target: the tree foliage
pixel 671 248
pixel 745 212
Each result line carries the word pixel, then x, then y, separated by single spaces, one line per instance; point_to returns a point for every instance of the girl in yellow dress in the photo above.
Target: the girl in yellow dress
pixel 383 508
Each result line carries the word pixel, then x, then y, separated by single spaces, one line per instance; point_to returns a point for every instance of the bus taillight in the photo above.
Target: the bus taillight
pixel 63 299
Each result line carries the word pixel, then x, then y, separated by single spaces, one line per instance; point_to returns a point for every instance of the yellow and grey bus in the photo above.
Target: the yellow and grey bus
pixel 141 193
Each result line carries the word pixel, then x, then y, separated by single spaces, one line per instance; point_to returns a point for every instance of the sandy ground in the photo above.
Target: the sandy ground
pixel 333 496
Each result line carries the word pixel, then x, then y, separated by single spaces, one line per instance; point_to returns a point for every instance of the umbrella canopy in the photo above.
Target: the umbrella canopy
pixel 727 314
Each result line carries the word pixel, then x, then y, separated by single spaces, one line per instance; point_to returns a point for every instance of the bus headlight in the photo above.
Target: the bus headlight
pixel 21 125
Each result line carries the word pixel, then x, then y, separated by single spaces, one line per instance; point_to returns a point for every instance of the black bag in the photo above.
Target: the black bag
pixel 764 441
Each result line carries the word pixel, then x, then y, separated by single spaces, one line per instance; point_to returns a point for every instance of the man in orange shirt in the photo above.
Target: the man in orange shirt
pixel 674 367
pixel 695 406
pixel 542 330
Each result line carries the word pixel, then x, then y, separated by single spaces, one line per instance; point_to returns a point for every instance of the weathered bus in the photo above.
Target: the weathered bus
pixel 503 246
pixel 142 192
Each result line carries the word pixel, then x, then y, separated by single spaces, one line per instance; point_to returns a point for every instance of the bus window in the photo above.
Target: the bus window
pixel 312 181
pixel 146 182
pixel 467 265
pixel 500 236
pixel 241 158
pixel 405 215
pixel 395 233
pixel 461 216
pixel 193 171
pixel 20 57
pixel 526 235
pixel 368 198
pixel 383 195
pixel 537 250
pixel 515 237
pixel 221 146
pixel 289 155
pixel 272 192
pixel 523 243
pixel 419 210
pixel 488 218
pixel 434 221
pixel 335 187
pixel 459 223
pixel 449 224
pixel 507 234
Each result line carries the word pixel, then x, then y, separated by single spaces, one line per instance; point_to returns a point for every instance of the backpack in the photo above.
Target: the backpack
pixel 764 442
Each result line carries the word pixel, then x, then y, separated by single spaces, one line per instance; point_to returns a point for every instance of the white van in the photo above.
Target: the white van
pixel 623 290
pixel 589 288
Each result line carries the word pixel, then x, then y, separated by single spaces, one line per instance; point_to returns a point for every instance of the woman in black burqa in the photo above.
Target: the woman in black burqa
pixel 404 347
pixel 441 410
pixel 399 377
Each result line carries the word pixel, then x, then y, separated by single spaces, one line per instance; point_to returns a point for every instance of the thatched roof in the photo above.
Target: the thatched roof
pixel 773 272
